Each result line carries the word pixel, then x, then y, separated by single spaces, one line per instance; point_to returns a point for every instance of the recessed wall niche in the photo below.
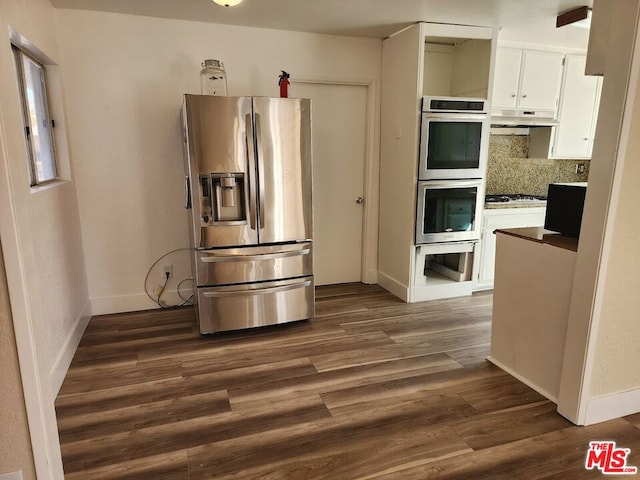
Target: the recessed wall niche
pixel 456 67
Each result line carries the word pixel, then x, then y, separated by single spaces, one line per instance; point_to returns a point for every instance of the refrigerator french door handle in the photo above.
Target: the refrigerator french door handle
pixel 261 291
pixel 250 258
pixel 187 192
pixel 251 160
pixel 260 155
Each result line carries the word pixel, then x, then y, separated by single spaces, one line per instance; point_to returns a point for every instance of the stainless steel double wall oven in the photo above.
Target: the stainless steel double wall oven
pixel 453 158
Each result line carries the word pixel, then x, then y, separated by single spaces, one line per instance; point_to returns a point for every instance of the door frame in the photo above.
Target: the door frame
pixel 369 261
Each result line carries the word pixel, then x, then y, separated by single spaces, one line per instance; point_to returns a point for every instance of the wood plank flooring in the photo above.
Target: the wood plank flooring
pixel 371 388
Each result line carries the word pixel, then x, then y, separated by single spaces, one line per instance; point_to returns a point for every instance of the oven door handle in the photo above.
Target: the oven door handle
pixel 449 183
pixel 460 117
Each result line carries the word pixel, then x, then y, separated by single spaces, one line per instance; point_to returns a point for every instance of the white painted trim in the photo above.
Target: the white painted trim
pixel 422 293
pixel 369 262
pixel 521 379
pixel 37 395
pixel 608 407
pixel 392 285
pixel 457 31
pixel 17 475
pixel 401 30
pixel 542 47
pixel 371 277
pixel 68 350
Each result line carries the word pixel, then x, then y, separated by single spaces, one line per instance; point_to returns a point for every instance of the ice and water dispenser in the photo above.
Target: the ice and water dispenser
pixel 222 197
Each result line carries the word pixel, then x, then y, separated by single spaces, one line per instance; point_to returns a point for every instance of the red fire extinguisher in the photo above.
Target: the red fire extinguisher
pixel 284 84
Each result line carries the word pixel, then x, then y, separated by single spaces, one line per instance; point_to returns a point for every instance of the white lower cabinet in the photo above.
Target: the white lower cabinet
pixel 496 218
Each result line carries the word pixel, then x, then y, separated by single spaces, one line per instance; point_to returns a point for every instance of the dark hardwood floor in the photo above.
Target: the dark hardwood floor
pixel 371 388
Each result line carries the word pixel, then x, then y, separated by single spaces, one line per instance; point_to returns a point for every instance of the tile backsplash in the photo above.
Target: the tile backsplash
pixel 511 171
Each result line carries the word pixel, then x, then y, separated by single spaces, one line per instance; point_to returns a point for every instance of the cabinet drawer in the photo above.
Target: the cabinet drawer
pixel 514 218
pixel 254 305
pixel 253 264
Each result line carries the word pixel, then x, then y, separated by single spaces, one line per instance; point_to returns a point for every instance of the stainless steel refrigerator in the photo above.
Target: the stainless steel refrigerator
pixel 248 192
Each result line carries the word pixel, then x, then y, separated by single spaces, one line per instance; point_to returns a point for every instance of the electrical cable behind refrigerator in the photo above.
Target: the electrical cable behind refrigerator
pixel 157 300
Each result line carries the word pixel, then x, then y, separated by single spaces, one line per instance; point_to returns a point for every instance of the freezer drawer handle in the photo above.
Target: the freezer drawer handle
pixel 262 291
pixel 251 258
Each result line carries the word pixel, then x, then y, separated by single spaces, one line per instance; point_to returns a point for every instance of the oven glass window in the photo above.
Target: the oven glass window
pixel 449 210
pixel 453 145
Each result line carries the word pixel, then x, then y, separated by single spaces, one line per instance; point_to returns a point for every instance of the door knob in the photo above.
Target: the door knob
pixel 359 200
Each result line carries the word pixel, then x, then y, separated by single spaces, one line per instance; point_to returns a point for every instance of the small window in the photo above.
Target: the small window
pixel 38 125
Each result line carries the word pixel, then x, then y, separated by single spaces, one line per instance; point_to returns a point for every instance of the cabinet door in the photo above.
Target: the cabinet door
pixel 540 80
pixel 487 258
pixel 578 105
pixel 501 218
pixel 506 77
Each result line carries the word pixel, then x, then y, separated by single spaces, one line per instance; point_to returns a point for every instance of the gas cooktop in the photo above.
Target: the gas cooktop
pixel 514 197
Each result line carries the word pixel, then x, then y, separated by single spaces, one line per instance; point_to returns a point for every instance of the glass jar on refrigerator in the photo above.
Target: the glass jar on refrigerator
pixel 213 78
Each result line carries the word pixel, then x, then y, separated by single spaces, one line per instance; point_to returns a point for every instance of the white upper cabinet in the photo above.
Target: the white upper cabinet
pixel 578 111
pixel 506 77
pixel 527 79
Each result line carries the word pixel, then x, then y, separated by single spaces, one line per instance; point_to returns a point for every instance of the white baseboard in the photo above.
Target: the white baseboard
pixel 62 362
pixel 608 407
pixel 370 277
pixel 130 303
pixel 528 383
pixel 392 285
pixel 483 287
pixel 122 303
pixel 11 476
pixel 422 293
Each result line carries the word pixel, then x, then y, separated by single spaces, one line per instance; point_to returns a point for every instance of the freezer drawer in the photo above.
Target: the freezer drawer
pixel 253 264
pixel 254 305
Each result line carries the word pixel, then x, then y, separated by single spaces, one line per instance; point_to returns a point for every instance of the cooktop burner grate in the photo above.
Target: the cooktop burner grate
pixel 513 197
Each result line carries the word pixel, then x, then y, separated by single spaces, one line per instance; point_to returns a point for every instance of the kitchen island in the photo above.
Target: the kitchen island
pixel 532 294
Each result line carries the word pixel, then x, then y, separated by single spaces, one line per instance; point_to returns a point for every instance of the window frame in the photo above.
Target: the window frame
pixel 18 54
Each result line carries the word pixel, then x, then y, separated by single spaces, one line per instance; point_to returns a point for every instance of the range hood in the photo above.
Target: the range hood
pixel 523 118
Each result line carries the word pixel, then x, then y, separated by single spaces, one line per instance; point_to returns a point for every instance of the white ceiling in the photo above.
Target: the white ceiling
pixel 520 19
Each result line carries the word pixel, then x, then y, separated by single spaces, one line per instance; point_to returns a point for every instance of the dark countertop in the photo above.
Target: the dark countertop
pixel 540 235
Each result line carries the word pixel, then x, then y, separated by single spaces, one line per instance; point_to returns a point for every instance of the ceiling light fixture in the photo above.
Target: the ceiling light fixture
pixel 578 17
pixel 227 3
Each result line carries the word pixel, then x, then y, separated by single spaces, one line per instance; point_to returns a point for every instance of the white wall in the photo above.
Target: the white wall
pixel 617 354
pixel 15 444
pixel 127 74
pixel 602 332
pixel 40 233
pixel 615 380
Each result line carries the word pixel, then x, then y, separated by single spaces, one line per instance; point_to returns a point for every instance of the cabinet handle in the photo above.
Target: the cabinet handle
pixel 513 95
pixel 524 96
pixel 586 139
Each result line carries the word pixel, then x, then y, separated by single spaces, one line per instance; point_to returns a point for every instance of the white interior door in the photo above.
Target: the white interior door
pixel 338 120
